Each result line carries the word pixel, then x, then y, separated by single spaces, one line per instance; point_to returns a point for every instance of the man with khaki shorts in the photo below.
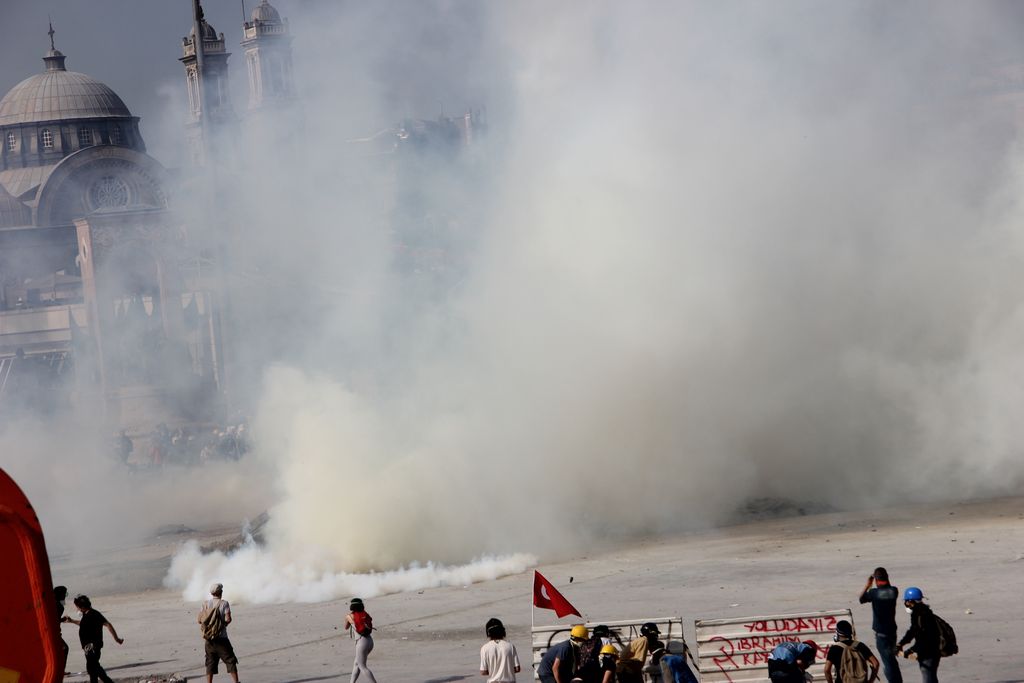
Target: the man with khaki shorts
pixel 218 648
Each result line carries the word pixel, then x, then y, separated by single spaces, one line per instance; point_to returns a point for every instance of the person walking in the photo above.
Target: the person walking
pixel 849 659
pixel 61 594
pixel 883 597
pixel 499 660
pixel 925 634
pixel 90 635
pixel 214 617
pixel 361 624
pixel 124 447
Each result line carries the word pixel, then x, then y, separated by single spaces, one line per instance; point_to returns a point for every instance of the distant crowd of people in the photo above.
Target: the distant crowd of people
pixel 184 445
pixel 600 656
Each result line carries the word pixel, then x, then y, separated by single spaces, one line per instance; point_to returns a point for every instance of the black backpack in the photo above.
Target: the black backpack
pixel 947 637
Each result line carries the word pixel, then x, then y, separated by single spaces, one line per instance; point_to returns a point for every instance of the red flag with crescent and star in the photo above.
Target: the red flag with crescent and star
pixel 546 596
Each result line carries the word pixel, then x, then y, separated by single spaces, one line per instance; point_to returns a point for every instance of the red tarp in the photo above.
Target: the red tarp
pixel 31 650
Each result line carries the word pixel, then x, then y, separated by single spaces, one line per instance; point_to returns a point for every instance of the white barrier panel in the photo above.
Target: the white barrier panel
pixel 736 650
pixel 671 634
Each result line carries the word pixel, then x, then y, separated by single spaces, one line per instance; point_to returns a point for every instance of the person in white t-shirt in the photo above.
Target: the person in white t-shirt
pixel 498 658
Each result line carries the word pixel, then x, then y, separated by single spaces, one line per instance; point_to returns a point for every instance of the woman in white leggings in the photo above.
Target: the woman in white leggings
pixel 359 621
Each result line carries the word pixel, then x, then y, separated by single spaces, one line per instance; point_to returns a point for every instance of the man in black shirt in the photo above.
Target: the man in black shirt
pixel 834 656
pixel 925 634
pixel 90 634
pixel 883 598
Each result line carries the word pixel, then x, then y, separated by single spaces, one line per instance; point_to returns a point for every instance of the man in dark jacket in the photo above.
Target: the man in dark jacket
pixel 883 597
pixel 925 634
pixel 561 662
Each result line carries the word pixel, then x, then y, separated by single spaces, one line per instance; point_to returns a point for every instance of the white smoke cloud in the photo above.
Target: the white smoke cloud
pixel 724 255
pixel 708 253
pixel 254 575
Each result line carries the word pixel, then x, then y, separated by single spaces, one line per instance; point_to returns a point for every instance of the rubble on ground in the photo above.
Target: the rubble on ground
pixel 768 507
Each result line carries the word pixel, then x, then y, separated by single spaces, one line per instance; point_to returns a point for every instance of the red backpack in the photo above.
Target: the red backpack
pixel 363 623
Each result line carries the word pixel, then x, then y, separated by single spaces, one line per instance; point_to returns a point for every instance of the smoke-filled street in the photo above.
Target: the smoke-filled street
pixel 967 557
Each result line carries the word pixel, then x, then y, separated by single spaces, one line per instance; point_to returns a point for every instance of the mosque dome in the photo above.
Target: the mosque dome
pixel 209 32
pixel 59 94
pixel 265 12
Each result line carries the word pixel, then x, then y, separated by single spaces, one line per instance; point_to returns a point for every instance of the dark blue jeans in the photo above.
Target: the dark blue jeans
pixel 929 669
pixel 886 646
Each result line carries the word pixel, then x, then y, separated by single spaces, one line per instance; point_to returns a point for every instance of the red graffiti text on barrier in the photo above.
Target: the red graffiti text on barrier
pixel 753 650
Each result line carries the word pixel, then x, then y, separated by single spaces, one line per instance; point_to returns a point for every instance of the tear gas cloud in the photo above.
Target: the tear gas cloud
pixel 716 253
pixel 261 576
pixel 703 253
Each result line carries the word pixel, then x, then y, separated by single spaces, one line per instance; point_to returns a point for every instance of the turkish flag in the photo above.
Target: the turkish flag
pixel 547 596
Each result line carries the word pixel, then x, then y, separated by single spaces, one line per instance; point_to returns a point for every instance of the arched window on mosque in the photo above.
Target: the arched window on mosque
pixel 46 137
pixel 12 141
pixel 193 91
pixel 115 134
pixel 84 137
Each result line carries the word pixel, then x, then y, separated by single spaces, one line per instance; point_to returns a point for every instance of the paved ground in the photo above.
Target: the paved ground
pixel 968 558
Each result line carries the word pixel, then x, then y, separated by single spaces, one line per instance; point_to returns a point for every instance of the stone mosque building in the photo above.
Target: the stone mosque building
pixel 105 305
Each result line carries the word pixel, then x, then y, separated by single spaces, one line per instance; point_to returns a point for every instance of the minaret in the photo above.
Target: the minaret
pixel 268 54
pixel 211 116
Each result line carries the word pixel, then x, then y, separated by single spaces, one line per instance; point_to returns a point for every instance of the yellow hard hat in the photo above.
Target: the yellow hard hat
pixel 579 631
pixel 609 650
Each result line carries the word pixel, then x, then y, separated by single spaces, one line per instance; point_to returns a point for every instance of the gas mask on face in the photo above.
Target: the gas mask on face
pixel 909 610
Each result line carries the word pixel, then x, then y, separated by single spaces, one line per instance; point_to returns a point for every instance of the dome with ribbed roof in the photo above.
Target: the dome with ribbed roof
pixel 58 94
pixel 265 12
pixel 209 32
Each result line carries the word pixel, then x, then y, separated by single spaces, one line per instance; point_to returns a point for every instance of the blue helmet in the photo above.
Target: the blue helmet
pixel 913 593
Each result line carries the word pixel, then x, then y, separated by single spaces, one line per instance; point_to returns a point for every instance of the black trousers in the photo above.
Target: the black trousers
pixel 94 668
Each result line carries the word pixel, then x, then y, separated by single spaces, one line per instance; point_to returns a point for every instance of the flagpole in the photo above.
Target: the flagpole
pixel 533 606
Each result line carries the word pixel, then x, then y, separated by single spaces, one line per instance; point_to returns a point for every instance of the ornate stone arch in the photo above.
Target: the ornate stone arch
pixel 104 178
